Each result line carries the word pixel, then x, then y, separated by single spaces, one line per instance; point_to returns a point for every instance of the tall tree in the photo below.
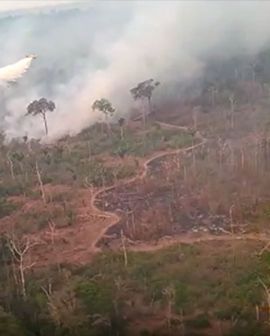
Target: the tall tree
pixel 41 107
pixel 104 106
pixel 144 91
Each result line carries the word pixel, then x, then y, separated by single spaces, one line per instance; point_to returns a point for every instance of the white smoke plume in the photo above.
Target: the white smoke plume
pixel 11 73
pixel 105 49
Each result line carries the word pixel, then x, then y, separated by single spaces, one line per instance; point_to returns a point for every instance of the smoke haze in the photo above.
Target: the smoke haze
pixel 12 72
pixel 104 48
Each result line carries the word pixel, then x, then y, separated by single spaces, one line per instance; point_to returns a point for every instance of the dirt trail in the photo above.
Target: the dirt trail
pixel 191 239
pixel 116 218
pixel 167 240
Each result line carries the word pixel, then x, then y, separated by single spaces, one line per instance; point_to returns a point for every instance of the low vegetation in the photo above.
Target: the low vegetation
pixel 190 287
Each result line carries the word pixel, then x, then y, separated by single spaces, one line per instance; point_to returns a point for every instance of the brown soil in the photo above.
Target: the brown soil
pixel 77 243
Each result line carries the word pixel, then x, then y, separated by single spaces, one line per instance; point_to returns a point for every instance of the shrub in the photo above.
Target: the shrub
pixel 6 208
pixel 244 328
pixel 97 297
pixel 9 326
pixel 199 322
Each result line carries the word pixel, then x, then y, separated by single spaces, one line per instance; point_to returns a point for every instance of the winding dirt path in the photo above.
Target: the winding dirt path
pixel 113 216
pixel 166 241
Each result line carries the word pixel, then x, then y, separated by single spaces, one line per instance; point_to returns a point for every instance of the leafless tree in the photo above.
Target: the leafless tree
pixel 123 240
pixel 195 112
pixel 19 249
pixel 52 228
pixel 11 166
pixel 169 293
pixel 267 294
pixel 41 185
pixel 63 306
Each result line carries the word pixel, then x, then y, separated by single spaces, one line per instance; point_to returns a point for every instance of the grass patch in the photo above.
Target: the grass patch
pixel 202 277
pixel 199 322
pixel 6 208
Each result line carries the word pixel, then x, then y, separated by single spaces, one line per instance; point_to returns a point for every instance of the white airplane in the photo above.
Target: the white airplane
pixel 11 73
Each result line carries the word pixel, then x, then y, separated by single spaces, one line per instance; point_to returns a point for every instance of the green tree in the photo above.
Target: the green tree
pixel 144 91
pixel 104 106
pixel 41 107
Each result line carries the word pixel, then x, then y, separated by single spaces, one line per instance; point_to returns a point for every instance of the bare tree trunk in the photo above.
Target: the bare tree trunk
pixel 41 184
pixel 257 312
pixel 220 153
pixel 182 323
pixel 53 309
pixel 171 211
pixel 14 273
pixel 195 119
pixel 193 157
pixel 267 295
pixel 256 155
pixel 195 113
pixel 108 125
pixel 242 158
pixel 213 93
pixel 11 167
pixel 52 227
pixel 124 248
pixel 185 173
pixel 89 151
pixel 19 255
pixel 231 218
pixel 122 132
pixel 21 269
pixel 109 129
pixel 115 174
pixel 144 117
pixel 169 292
pixel 231 99
pixel 231 156
pixel 21 167
pixel 29 146
pixel 149 105
pixel 133 224
pixel 45 123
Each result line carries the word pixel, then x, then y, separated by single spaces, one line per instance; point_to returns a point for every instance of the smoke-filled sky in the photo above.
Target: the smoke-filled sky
pixel 102 49
pixel 14 5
